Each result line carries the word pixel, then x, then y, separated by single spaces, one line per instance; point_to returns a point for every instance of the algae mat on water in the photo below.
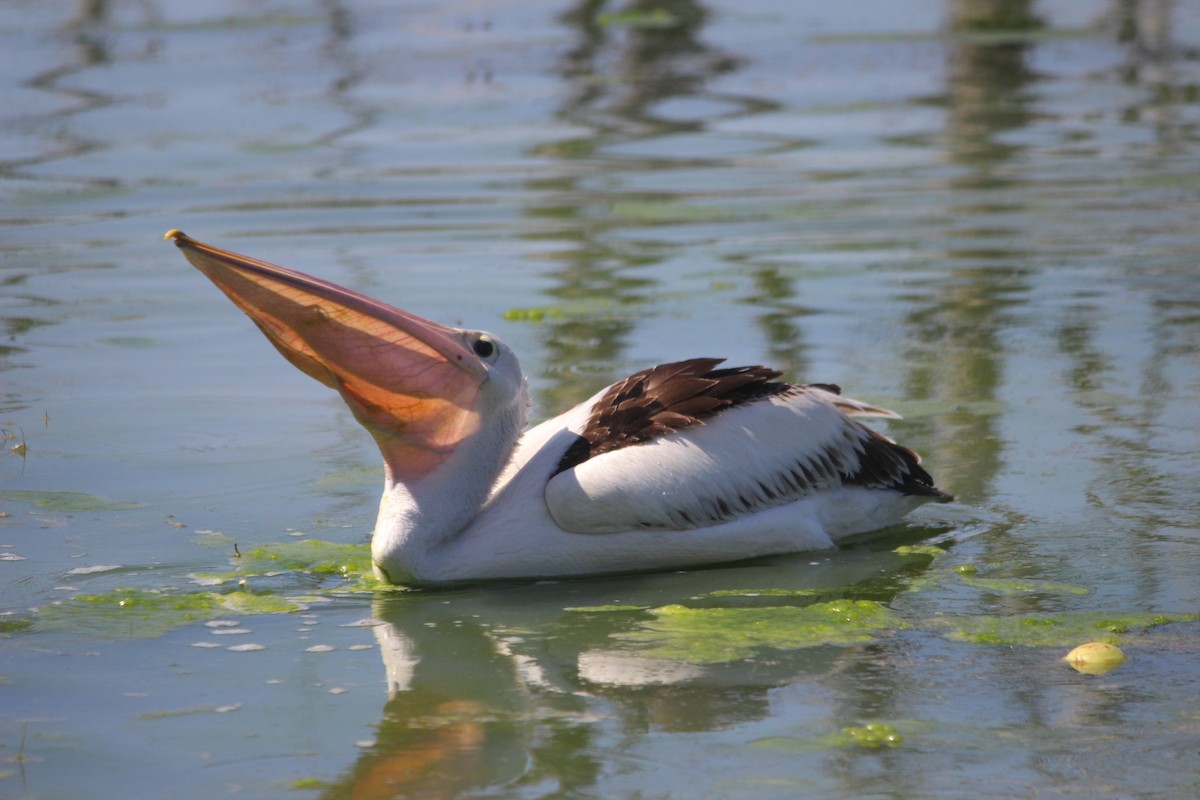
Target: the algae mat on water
pixel 66 501
pixel 145 614
pixel 279 578
pixel 1056 629
pixel 719 635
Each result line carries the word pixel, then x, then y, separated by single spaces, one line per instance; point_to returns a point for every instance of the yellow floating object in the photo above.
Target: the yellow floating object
pixel 1095 658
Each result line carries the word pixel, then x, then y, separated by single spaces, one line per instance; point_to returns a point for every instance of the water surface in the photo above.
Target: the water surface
pixel 981 214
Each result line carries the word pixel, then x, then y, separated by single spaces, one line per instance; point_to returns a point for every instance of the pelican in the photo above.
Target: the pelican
pixel 678 465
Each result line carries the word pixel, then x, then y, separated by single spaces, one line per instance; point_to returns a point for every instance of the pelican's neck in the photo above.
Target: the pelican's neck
pixel 417 518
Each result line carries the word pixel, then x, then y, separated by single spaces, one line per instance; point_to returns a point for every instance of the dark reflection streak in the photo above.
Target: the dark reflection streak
pixel 339 49
pixel 1144 28
pixel 1134 487
pixel 1131 488
pixel 88 31
pixel 618 73
pixel 956 323
pixel 775 293
pixel 615 75
pixel 990 95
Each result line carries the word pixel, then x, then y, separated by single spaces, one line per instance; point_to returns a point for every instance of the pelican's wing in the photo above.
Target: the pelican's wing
pixel 685 445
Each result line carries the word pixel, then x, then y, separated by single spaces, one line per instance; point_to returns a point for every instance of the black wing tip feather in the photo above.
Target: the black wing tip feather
pixel 887 465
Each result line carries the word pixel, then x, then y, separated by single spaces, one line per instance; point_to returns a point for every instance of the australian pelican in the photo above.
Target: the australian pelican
pixel 680 464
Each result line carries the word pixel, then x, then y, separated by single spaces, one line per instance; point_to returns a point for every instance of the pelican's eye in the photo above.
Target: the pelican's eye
pixel 485 347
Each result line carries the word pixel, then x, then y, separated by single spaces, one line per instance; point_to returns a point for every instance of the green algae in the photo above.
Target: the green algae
pixel 128 613
pixel 871 736
pixel 721 635
pixel 968 575
pixel 65 501
pixel 1059 630
pixel 718 635
pixel 574 310
pixel 1016 585
pixel 652 18
pixel 751 593
pixel 868 736
pixel 306 784
pixel 606 609
pixel 352 479
pixel 131 600
pixel 347 566
pixel 919 550
pixel 177 712
pixel 239 22
pixel 247 603
pixel 311 556
pixel 147 613
pixel 534 314
pixel 669 212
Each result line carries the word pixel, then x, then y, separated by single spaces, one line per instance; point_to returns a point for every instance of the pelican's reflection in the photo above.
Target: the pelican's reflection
pixel 532 685
pixel 455 714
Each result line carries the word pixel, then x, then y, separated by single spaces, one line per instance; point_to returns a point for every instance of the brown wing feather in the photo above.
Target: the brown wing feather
pixel 667 398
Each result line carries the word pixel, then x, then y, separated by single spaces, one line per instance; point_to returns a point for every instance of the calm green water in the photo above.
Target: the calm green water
pixel 981 214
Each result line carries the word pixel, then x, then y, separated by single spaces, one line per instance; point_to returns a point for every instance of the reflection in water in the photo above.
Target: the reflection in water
pixel 457 716
pixel 988 84
pixel 1144 27
pixel 1132 417
pixel 89 34
pixel 616 74
pixel 349 73
pixel 505 687
pixel 958 324
pixel 989 98
pixel 775 294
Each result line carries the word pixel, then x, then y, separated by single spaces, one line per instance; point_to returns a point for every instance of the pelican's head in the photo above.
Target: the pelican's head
pixel 422 390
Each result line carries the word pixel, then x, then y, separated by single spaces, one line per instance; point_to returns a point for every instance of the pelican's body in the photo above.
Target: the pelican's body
pixel 678 465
